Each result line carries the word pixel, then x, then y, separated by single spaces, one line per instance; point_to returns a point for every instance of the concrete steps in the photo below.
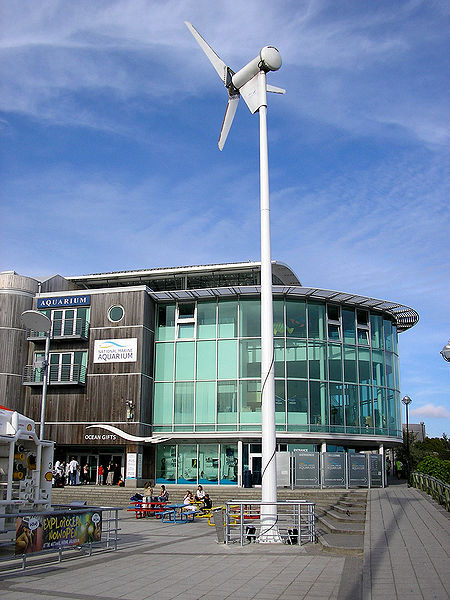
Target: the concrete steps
pixel 337 531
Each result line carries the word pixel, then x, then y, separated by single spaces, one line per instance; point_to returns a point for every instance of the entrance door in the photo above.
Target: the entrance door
pixel 255 464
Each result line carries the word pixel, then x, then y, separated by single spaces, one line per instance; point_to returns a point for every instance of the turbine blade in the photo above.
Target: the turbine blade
pixel 215 60
pixel 275 89
pixel 228 119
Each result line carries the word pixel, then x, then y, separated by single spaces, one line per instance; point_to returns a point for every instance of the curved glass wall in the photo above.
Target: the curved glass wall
pixel 336 369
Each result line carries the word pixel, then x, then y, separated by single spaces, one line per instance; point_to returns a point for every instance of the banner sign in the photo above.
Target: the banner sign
pixel 333 469
pixel 35 533
pixel 116 350
pixel 63 301
pixel 357 470
pixel 131 465
pixel 307 469
pixel 376 466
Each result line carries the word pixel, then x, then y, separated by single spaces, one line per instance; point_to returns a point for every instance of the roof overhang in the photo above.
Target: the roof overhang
pixel 404 316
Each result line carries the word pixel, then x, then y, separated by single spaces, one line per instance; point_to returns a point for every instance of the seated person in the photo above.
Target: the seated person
pixel 207 503
pixel 200 493
pixel 163 494
pixel 188 502
pixel 148 492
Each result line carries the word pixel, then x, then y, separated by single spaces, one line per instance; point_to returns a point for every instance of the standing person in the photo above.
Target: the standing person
pixel 110 477
pixel 399 467
pixel 200 493
pixel 388 466
pixel 86 474
pixel 117 474
pixel 100 473
pixel 73 470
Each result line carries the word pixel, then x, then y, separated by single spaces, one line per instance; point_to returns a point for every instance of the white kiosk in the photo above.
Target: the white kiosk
pixel 26 464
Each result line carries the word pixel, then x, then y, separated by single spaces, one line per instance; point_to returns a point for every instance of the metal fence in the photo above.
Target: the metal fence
pixel 294 521
pixel 12 559
pixel 437 489
pixel 64 374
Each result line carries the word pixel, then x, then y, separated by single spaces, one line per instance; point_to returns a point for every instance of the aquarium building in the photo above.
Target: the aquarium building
pixel 159 370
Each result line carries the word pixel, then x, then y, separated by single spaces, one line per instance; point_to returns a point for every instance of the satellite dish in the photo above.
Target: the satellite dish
pixel 243 83
pixel 36 321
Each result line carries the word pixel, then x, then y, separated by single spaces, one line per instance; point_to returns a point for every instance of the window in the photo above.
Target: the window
pixel 226 402
pixel 186 320
pixel 250 318
pixel 166 322
pixel 362 322
pixel 65 367
pixel 69 322
pixel 334 321
pixel 296 318
pixel 116 313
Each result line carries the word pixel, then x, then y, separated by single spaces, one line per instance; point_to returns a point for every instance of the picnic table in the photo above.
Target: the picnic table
pixel 146 509
pixel 175 513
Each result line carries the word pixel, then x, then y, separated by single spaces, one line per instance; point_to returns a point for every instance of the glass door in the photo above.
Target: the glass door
pixel 255 464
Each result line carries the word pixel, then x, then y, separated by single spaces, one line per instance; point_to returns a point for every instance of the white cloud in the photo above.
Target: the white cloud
pixel 431 410
pixel 364 70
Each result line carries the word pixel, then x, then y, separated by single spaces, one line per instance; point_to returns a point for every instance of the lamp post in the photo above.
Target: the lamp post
pixel 445 352
pixel 37 321
pixel 407 401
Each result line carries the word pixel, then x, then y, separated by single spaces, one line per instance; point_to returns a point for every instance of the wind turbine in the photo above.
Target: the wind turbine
pixel 250 83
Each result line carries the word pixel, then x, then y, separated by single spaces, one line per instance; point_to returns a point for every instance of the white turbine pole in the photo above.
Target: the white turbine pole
pixel 269 530
pixel 250 83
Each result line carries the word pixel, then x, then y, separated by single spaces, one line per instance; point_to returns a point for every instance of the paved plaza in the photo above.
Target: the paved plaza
pixel 406 556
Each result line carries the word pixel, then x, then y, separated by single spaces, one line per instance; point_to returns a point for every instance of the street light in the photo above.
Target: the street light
pixel 446 352
pixel 407 401
pixel 37 321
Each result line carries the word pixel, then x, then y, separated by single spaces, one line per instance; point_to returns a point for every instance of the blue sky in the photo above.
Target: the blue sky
pixel 109 119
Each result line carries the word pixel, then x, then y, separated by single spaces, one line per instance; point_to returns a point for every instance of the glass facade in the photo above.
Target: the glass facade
pixel 336 368
pixel 191 464
pixel 336 372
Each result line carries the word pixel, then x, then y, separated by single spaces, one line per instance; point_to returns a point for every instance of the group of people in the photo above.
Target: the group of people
pixel 70 473
pixel 73 473
pixel 190 500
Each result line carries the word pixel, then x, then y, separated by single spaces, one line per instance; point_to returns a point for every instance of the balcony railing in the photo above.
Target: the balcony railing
pixel 69 329
pixel 58 375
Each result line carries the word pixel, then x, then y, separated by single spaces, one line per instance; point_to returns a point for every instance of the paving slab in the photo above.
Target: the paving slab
pixel 406 555
pixel 406 546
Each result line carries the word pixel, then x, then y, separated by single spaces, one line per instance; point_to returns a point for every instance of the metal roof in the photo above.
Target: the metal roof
pixel 404 316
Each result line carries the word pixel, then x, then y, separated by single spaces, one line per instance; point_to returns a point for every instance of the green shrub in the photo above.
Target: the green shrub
pixel 434 466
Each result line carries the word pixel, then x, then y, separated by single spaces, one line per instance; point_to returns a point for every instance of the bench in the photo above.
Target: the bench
pixel 171 516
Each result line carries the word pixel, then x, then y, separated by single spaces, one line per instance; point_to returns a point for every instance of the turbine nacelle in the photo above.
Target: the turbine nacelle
pixel 269 59
pixel 244 82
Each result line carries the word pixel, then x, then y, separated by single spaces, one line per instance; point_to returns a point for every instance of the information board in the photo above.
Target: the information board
pixel 333 469
pixel 357 470
pixel 376 470
pixel 307 469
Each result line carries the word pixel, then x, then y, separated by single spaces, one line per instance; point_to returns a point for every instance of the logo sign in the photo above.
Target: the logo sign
pixel 117 350
pixel 357 470
pixel 333 469
pixel 63 301
pixel 306 469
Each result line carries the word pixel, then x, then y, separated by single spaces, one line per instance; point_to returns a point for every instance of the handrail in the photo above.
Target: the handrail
pixel 436 488
pixel 243 522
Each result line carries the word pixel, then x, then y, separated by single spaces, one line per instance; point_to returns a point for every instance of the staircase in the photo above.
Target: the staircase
pixel 340 513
